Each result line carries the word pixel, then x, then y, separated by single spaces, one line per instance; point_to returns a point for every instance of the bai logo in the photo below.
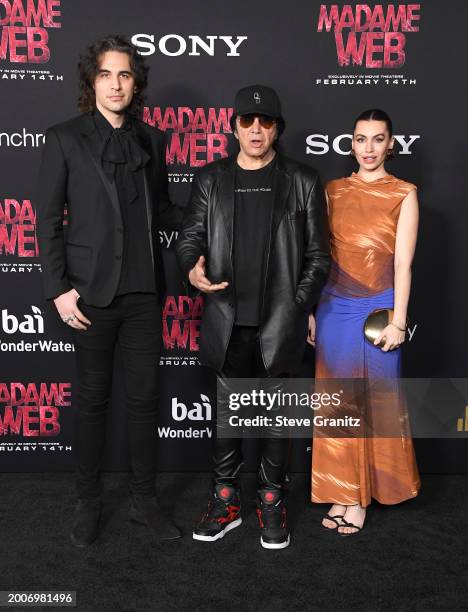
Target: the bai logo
pixel 318 144
pixel 198 413
pixel 31 324
pixel 174 44
pixel 201 411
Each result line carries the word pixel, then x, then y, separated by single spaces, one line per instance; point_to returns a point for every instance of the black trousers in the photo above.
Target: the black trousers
pixel 134 322
pixel 244 360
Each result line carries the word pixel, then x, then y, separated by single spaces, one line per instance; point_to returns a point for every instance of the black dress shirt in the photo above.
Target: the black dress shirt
pixel 123 161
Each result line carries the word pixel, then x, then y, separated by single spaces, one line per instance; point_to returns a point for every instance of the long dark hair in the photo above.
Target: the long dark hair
pixel 88 67
pixel 375 114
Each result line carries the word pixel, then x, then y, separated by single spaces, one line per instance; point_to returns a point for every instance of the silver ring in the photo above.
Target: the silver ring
pixel 68 319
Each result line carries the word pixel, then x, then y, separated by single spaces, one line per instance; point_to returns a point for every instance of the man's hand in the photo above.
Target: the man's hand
pixel 311 334
pixel 198 279
pixel 69 311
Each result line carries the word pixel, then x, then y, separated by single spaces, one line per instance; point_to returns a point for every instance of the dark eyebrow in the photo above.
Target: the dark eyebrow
pixel 364 136
pixel 101 70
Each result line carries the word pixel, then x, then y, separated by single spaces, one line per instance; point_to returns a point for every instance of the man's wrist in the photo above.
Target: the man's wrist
pixel 72 291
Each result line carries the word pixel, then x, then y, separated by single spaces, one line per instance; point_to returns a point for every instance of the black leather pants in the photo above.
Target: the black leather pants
pixel 244 360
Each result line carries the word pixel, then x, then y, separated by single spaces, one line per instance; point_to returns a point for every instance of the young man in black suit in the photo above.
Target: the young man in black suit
pixel 104 273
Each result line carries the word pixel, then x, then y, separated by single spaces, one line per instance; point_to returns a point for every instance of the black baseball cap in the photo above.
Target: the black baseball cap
pixel 258 100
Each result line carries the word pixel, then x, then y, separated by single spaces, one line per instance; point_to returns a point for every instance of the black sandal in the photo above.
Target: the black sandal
pixel 352 525
pixel 333 519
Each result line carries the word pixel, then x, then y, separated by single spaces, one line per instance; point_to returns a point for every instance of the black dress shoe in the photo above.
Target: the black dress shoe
pixel 146 510
pixel 86 522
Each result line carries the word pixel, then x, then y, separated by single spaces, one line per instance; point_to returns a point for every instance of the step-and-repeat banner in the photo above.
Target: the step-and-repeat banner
pixel 328 62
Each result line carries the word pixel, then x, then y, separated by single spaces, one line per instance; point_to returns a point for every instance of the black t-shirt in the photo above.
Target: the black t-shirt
pixel 252 223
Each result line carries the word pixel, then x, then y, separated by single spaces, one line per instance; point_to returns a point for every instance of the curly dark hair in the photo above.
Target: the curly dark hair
pixel 88 67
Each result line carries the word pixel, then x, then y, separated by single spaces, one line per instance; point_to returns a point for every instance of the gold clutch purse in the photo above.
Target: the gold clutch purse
pixel 375 323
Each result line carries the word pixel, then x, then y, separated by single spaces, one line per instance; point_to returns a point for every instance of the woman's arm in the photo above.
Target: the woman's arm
pixel 405 244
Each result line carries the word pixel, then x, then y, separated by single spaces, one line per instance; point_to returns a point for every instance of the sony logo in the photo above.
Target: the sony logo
pixel 174 44
pixel 317 144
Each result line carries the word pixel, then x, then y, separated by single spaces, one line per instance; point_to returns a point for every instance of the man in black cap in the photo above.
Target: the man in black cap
pixel 255 240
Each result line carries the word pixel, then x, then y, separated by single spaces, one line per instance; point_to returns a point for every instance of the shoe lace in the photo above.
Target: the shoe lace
pixel 272 515
pixel 217 508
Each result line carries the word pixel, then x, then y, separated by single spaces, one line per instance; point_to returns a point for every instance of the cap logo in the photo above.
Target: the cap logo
pixel 257 97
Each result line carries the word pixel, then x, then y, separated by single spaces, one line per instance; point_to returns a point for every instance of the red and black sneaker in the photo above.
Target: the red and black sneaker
pixel 271 512
pixel 222 515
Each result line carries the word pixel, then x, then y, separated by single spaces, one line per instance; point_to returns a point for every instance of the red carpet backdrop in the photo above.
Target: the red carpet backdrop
pixel 328 63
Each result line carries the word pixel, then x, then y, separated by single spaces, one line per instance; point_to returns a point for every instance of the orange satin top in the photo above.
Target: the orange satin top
pixel 363 219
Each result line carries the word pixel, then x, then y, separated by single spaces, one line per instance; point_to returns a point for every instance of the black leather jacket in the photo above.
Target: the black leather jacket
pixel 297 259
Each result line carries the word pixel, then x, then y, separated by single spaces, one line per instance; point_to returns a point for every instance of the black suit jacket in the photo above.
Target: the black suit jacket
pixel 86 254
pixel 297 259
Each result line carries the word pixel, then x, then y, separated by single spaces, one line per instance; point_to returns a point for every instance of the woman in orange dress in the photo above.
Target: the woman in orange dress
pixel 373 220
